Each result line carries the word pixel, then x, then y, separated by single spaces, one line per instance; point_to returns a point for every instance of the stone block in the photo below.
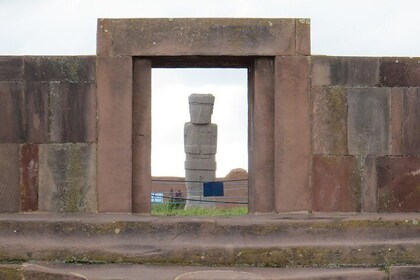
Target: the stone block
pixel 11 68
pixel 292 134
pixel 261 136
pixel 29 171
pixel 187 36
pixel 72 112
pixel 396 120
pixel 114 91
pixel 11 94
pixel 400 72
pixel 60 68
pixel 35 112
pixel 335 184
pixel 67 178
pixel 411 272
pixel 303 36
pixel 369 186
pixel 142 135
pixel 329 133
pixel 411 122
pixel 346 71
pixel 398 184
pixel 368 121
pixel 9 178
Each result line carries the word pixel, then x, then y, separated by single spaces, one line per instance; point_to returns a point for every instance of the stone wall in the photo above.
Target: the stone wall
pixel 365 134
pixel 48 134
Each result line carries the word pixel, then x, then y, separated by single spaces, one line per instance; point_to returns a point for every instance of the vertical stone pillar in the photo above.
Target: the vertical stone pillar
pixel 142 131
pixel 292 134
pixel 261 136
pixel 114 158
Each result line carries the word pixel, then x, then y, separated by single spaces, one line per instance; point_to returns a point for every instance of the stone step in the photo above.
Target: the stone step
pixel 291 240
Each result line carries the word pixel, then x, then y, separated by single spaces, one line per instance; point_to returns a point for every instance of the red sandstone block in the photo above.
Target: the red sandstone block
pixel 411 122
pixel 187 36
pixel 404 272
pixel 72 112
pixel 369 187
pixel 396 120
pixel 29 167
pixel 261 141
pixel 60 68
pixel 303 36
pixel 11 68
pixel 398 184
pixel 329 133
pixel 11 130
pixel 9 178
pixel 347 71
pixel 336 182
pixel 292 134
pixel 114 91
pixel 35 112
pixel 400 72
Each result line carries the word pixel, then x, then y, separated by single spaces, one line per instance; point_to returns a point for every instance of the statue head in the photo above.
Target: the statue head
pixel 201 108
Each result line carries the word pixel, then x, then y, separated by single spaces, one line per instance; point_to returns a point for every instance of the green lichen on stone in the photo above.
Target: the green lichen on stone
pixel 11 272
pixel 75 194
pixel 336 118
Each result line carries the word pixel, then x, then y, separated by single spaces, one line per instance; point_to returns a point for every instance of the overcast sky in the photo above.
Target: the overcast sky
pixel 348 28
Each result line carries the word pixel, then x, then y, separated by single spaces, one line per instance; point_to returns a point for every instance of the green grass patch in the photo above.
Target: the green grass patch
pixel 164 210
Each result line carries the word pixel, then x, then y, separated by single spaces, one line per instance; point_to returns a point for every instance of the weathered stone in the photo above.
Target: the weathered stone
pixel 142 135
pixel 369 187
pixel 411 122
pixel 404 272
pixel 292 134
pixel 11 94
pixel 396 120
pixel 398 184
pixel 154 37
pixel 29 167
pixel 35 112
pixel 67 177
pixel 261 136
pixel 347 71
pixel 11 68
pixel 335 184
pixel 329 134
pixel 37 272
pixel 303 36
pixel 72 112
pixel 400 72
pixel 60 68
pixel 114 91
pixel 9 178
pixel 368 121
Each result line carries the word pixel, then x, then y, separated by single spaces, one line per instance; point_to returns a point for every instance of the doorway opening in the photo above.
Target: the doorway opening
pixel 170 111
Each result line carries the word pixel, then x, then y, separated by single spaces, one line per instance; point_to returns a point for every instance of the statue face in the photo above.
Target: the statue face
pixel 201 108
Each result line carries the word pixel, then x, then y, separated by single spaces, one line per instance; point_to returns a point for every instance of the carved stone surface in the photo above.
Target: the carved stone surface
pixel 200 143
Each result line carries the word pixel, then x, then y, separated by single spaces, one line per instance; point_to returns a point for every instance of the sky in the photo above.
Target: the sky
pixel 344 28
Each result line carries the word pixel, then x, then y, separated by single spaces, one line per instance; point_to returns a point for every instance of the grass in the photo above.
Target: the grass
pixel 164 210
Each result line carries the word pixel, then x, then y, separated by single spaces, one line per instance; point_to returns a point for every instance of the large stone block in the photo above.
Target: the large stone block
pixel 404 272
pixel 335 184
pixel 329 133
pixel 187 36
pixel 398 184
pixel 369 186
pixel 368 121
pixel 396 120
pixel 261 136
pixel 303 36
pixel 29 174
pixel 35 112
pixel 11 68
pixel 400 72
pixel 67 178
pixel 347 71
pixel 411 122
pixel 11 94
pixel 72 112
pixel 292 134
pixel 9 178
pixel 114 90
pixel 60 68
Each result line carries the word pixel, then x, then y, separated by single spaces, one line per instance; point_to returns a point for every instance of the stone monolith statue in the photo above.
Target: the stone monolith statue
pixel 200 142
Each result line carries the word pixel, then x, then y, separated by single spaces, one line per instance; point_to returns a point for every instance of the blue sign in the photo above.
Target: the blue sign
pixel 157 197
pixel 213 189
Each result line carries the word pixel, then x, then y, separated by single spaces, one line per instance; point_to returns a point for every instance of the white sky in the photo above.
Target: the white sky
pixel 349 28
